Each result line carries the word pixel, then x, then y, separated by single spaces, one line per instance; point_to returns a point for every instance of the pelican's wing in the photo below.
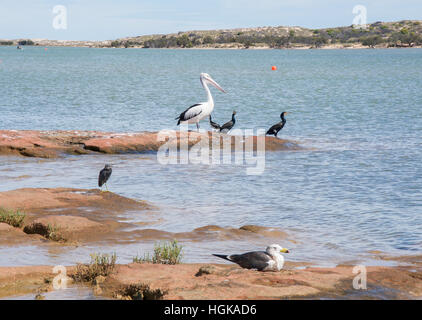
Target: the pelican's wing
pixel 252 260
pixel 190 112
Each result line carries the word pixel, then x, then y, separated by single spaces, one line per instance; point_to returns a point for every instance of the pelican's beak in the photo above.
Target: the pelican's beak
pixel 215 84
pixel 284 250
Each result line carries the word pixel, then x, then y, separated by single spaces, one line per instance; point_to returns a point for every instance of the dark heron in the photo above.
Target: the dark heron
pixel 214 124
pixel 268 260
pixel 104 175
pixel 277 127
pixel 228 125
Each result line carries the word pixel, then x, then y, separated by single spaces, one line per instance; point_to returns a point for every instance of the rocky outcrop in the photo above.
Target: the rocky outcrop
pixel 48 201
pixel 222 282
pixel 25 280
pixel 13 236
pixel 226 282
pixel 83 215
pixel 69 214
pixel 51 144
pixel 62 228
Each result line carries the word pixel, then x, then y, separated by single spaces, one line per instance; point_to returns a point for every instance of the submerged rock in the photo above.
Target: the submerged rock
pixel 265 231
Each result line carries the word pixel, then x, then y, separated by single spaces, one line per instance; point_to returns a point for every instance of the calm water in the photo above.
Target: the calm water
pixel 361 110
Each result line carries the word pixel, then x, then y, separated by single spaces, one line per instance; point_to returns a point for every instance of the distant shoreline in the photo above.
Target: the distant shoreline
pixel 400 34
pixel 329 47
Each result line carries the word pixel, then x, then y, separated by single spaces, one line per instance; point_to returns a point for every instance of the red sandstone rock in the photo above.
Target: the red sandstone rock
pixel 225 282
pixel 90 215
pixel 77 214
pixel 231 282
pixel 50 144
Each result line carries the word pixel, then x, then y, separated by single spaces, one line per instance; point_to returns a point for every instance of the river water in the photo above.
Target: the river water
pixel 355 188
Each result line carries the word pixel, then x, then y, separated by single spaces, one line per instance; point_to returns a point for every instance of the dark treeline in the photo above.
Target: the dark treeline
pixel 20 42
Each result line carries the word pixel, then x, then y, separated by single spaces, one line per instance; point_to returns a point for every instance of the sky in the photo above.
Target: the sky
pixel 107 19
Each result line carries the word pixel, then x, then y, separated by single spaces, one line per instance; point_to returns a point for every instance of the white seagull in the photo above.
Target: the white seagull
pixel 199 111
pixel 268 260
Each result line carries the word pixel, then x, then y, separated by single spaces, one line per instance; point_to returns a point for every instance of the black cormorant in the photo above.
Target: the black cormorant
pixel 277 127
pixel 228 125
pixel 214 124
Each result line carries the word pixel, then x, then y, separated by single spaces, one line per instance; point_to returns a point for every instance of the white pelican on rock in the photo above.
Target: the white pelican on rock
pixel 199 111
pixel 268 260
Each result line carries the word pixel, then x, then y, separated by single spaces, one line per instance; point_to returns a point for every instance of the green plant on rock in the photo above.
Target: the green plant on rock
pixel 164 253
pixel 11 217
pixel 53 233
pixel 100 265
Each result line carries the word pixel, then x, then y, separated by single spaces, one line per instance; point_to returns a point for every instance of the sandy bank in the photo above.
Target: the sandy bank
pixel 224 282
pixel 51 144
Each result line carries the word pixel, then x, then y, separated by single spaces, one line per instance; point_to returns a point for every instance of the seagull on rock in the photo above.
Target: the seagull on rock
pixel 268 260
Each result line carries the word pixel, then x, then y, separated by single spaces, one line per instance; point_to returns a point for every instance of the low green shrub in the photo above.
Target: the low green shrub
pixel 164 253
pixel 12 217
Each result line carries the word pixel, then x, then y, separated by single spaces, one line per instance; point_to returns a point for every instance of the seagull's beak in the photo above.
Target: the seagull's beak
pixel 284 250
pixel 215 84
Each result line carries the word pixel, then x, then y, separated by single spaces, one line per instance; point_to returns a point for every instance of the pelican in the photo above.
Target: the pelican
pixel 199 111
pixel 277 127
pixel 268 260
pixel 228 125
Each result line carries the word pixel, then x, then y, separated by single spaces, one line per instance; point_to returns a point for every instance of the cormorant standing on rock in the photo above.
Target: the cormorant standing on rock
pixel 277 127
pixel 228 125
pixel 214 124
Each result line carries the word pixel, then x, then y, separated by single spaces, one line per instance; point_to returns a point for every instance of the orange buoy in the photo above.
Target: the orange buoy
pixel 274 68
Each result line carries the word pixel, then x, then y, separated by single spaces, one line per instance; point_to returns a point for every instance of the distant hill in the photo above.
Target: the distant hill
pixel 406 33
